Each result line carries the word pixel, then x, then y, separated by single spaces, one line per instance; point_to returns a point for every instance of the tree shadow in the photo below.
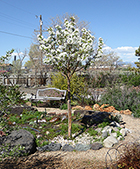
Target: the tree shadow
pixel 35 162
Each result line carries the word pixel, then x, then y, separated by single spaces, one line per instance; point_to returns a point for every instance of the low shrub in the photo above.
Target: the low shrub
pixel 130 79
pixel 122 98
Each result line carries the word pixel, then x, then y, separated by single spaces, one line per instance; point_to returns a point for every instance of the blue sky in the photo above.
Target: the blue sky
pixel 116 21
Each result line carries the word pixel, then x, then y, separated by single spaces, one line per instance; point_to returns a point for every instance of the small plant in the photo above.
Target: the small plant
pixel 118 133
pixel 40 142
pixel 92 132
pixel 8 151
pixel 103 124
pixel 64 106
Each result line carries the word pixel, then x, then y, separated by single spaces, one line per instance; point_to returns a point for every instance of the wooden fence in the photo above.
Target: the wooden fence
pixel 26 80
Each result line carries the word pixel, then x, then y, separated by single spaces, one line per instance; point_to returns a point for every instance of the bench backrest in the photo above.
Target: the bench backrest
pixel 51 94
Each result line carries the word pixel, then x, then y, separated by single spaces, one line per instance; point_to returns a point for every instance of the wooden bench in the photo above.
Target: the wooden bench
pixel 48 94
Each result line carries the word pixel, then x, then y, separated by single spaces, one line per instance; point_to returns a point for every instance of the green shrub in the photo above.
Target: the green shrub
pixel 78 85
pixel 9 96
pixel 102 79
pixel 130 79
pixel 122 99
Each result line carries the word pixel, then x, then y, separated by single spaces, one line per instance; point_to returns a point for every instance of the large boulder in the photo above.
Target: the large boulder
pixel 23 138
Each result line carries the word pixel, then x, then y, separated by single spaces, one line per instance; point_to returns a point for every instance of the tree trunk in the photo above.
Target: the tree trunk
pixel 69 110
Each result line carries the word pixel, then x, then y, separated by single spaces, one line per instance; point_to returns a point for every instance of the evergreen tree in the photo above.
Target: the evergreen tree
pixel 137 53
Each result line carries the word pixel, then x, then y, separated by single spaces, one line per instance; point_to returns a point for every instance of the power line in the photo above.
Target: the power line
pixel 16 35
pixel 15 19
pixel 21 25
pixel 18 8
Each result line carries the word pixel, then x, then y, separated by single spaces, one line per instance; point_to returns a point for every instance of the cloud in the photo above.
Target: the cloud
pixel 107 48
pixel 126 49
pixel 126 53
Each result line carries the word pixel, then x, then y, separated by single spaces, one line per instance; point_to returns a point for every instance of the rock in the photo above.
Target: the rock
pixel 114 124
pixel 115 129
pixel 110 141
pixel 104 134
pixel 114 134
pixel 104 105
pixel 54 147
pixel 23 138
pixel 96 146
pixel 95 118
pixel 110 130
pixel 82 147
pixel 127 112
pixel 44 148
pixel 120 138
pixel 123 131
pixel 122 126
pixel 54 119
pixel 67 147
pixel 116 111
pixel 88 108
pixel 50 147
pixel 96 106
pixel 77 108
pixel 98 130
pixel 109 109
pixel 106 128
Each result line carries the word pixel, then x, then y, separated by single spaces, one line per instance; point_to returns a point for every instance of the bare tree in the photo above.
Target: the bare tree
pixel 59 20
pixel 18 63
pixel 108 60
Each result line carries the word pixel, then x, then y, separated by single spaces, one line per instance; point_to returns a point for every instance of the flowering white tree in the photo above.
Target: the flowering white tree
pixel 69 50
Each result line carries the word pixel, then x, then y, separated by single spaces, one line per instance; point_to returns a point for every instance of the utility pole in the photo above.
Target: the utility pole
pixel 40 31
pixel 41 23
pixel 41 53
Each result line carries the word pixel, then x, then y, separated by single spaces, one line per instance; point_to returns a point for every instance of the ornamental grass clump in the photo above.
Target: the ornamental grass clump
pixel 130 159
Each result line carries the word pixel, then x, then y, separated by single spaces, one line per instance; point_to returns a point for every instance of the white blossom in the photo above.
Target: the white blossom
pixel 64 46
